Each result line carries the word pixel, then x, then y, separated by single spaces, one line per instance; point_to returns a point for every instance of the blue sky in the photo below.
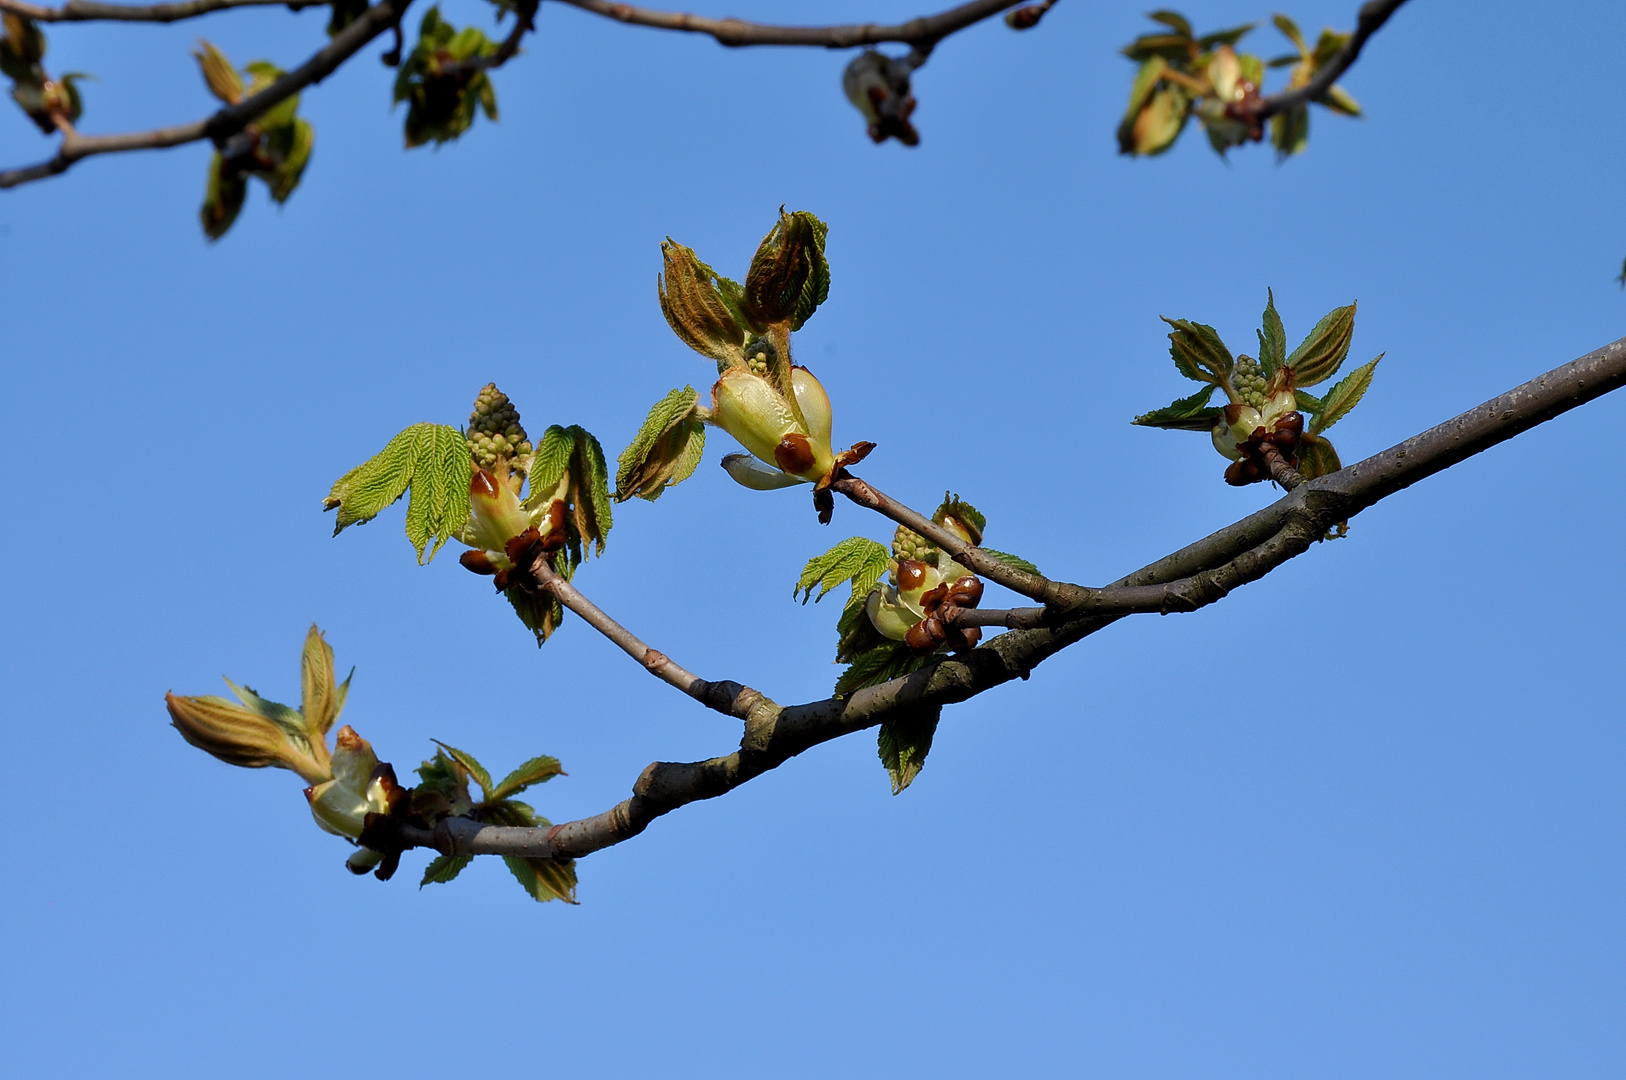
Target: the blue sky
pixel 1363 818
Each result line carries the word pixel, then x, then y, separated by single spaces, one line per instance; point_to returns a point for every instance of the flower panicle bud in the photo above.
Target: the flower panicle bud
pixel 496 438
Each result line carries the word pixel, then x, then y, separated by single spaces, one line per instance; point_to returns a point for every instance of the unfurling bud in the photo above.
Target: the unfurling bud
pixel 218 73
pixel 749 408
pixel 700 306
pixel 788 278
pixel 495 513
pixel 245 734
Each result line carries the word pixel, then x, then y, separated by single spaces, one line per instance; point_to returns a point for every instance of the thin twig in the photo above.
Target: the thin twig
pixel 782 733
pixel 729 698
pixel 927 30
pixel 233 118
pixel 81 11
pixel 1373 15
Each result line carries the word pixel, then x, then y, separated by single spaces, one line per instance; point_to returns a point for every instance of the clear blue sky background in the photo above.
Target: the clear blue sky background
pixel 1362 819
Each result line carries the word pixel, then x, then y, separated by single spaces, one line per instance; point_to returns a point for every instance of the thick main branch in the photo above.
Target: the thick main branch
pixel 1251 547
pixel 925 31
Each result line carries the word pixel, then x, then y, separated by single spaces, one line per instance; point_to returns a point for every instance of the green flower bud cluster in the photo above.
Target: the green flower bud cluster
pixel 494 429
pixel 1248 379
pixel 760 355
pixel 908 544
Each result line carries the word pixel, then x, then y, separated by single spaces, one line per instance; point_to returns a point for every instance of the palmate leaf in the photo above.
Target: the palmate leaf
pixel 1344 396
pixel 666 449
pixel 431 460
pixel 443 868
pixel 1320 355
pixel 904 743
pixel 1198 352
pixel 856 559
pixel 575 451
pixel 1188 414
pixel 535 771
pixel 476 770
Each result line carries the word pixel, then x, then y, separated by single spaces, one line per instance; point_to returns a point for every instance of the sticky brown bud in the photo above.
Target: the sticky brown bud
pixel 1293 421
pixel 794 453
pixel 967 592
pixel 482 485
pixel 911 575
pixel 477 561
pixel 919 639
pixel 967 638
pixel 519 547
pixel 932 600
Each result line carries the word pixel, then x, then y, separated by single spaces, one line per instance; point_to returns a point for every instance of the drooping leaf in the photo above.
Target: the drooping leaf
pixel 1290 132
pixel 1344 396
pixel 1172 19
pixel 433 461
pixel 443 868
pixel 1010 560
pixel 1198 352
pixel 1290 30
pixel 541 612
pixel 475 769
pixel 1338 100
pixel 904 743
pixel 535 771
pixel 1224 37
pixel 290 148
pixel 1320 354
pixel 666 449
pixel 856 560
pixel 573 452
pixel 953 508
pixel 1188 414
pixel 545 879
pixel 222 197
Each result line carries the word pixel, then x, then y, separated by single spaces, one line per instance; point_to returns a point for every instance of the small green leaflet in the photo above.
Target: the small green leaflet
pixel 430 460
pixel 444 868
pixel 1272 338
pixel 1290 30
pixel 904 743
pixel 666 449
pixel 574 450
pixel 1320 355
pixel 476 770
pixel 856 560
pixel 1188 414
pixel 288 719
pixel 535 771
pixel 1198 352
pixel 545 879
pixel 816 289
pixel 1317 457
pixel 1344 396
pixel 1010 560
pixel 1307 402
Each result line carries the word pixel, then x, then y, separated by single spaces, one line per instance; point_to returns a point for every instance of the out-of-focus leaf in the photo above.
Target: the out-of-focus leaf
pixel 1338 100
pixel 222 198
pixel 218 73
pixel 1290 132
pixel 1290 30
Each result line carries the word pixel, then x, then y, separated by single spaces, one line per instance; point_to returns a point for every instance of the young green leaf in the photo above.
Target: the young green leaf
pixel 443 868
pixel 545 879
pixel 1010 560
pixel 1272 337
pixel 541 613
pixel 955 509
pixel 431 460
pixel 1317 457
pixel 1320 355
pixel 1188 414
pixel 1344 396
pixel 573 450
pixel 476 770
pixel 904 744
pixel 1290 30
pixel 322 695
pixel 666 449
pixel 1198 352
pixel 1307 402
pixel 535 771
pixel 1338 100
pixel 856 560
pixel 1172 19
pixel 880 664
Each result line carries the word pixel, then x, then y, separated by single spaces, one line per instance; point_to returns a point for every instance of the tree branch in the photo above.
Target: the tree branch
pixel 1248 547
pixel 233 118
pixel 1373 14
pixel 926 31
pixel 83 11
pixel 729 698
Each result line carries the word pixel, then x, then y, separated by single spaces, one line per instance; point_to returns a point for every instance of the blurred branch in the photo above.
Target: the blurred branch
pixel 81 11
pixel 775 734
pixel 1373 15
pixel 230 120
pixel 926 31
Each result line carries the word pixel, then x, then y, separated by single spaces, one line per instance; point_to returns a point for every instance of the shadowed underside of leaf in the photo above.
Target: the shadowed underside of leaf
pixel 665 451
pixel 904 743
